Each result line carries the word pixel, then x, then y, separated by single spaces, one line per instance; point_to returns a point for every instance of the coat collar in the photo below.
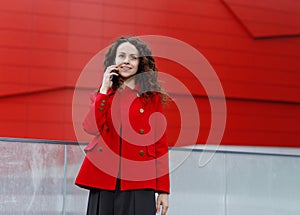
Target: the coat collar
pixel 125 88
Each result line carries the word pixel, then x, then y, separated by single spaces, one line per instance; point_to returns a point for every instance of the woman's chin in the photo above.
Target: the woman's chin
pixel 126 76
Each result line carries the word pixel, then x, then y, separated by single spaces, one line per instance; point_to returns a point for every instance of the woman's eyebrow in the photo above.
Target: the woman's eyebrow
pixel 126 53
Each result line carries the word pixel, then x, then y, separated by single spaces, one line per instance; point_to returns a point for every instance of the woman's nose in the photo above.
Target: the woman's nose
pixel 126 59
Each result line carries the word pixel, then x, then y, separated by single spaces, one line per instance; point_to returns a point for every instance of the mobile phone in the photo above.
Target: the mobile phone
pixel 114 78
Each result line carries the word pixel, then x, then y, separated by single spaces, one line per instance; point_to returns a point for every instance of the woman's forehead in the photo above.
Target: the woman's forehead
pixel 127 48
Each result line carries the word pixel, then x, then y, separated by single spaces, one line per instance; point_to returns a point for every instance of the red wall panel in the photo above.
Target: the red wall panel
pixel 44 45
pixel 267 18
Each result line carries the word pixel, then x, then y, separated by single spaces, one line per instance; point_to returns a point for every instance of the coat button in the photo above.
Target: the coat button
pixel 142 110
pixel 142 152
pixel 101 109
pixel 102 104
pixel 142 131
pixel 103 101
pixel 100 149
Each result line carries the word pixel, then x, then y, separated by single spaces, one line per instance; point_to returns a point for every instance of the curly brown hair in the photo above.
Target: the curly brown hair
pixel 148 81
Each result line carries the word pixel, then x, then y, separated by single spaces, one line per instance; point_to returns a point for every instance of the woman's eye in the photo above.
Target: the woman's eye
pixel 121 56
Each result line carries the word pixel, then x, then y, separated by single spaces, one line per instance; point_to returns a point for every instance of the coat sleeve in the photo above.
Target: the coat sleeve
pixel 96 116
pixel 162 158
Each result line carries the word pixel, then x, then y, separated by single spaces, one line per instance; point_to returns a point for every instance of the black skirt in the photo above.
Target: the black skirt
pixel 130 202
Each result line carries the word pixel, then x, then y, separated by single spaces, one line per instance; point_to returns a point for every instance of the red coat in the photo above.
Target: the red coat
pixel 130 141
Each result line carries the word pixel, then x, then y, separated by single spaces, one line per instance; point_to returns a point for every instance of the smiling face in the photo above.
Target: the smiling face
pixel 127 56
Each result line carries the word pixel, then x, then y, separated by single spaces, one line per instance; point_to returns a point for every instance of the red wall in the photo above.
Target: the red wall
pixel 44 45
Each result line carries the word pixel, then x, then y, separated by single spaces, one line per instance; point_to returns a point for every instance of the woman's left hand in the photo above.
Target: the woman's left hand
pixel 163 201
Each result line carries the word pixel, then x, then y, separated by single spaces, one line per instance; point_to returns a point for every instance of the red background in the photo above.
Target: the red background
pixel 252 45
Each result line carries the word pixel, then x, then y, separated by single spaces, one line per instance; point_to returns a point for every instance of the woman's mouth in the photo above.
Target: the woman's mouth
pixel 125 68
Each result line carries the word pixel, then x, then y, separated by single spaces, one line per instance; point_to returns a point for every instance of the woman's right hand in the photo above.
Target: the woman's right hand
pixel 106 81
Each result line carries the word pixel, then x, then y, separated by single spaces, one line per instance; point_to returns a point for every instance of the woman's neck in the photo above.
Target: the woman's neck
pixel 130 82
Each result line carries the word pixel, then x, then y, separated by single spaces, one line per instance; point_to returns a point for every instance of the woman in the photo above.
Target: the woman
pixel 127 161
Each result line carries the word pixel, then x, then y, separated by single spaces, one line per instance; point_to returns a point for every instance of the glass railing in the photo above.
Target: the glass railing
pixel 37 177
